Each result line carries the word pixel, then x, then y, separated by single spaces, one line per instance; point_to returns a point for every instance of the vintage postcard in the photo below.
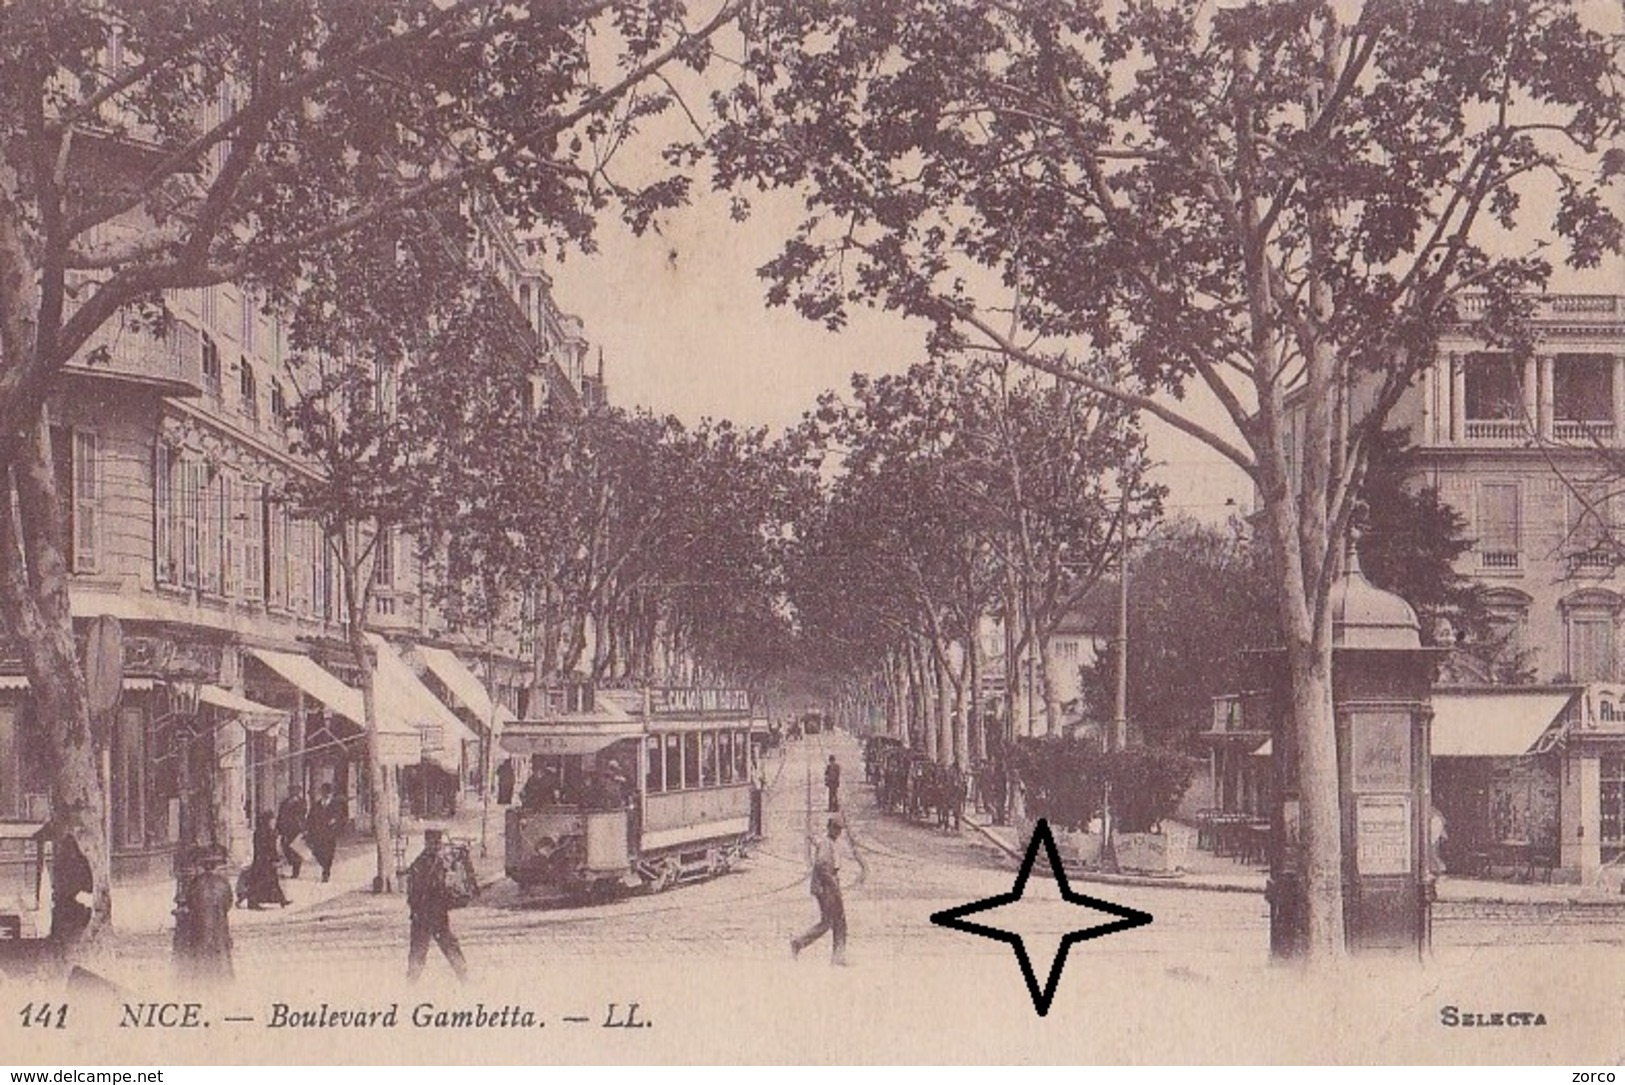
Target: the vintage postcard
pixel 750 531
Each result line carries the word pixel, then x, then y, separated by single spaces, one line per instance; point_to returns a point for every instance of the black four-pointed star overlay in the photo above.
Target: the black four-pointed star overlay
pixel 1127 918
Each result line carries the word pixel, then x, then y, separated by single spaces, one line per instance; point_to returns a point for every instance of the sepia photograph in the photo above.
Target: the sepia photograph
pixel 802 532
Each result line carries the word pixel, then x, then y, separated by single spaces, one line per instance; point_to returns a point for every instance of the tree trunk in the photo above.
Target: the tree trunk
pixel 1052 710
pixel 34 604
pixel 1306 626
pixel 942 725
pixel 975 723
pixel 357 597
pixel 1312 723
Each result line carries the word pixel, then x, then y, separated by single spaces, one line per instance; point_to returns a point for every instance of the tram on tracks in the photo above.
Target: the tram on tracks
pixel 633 789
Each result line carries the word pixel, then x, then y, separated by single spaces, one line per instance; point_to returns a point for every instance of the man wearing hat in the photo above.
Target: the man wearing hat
pixel 430 906
pixel 826 890
pixel 204 947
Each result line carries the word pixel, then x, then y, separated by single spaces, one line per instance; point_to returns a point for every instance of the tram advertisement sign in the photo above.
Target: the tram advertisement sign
pixel 678 700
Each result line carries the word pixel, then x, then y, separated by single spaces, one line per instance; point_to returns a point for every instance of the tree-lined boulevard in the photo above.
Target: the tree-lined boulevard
pixel 1252 223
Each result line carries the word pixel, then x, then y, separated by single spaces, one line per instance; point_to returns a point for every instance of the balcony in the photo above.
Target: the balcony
pixel 1499 561
pixel 1554 306
pixel 1504 430
pixel 1582 432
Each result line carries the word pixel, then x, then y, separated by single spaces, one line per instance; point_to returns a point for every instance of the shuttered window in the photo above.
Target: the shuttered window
pixel 1499 541
pixel 87 499
pixel 163 512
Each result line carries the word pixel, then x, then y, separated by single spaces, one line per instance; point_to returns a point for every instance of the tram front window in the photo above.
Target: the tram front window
pixel 653 778
pixel 725 756
pixel 742 756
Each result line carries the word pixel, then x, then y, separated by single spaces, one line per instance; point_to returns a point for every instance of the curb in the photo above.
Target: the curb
pixel 1181 882
pixel 1101 878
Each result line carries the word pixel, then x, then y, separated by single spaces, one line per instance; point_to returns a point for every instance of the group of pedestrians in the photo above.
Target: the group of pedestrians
pixel 439 880
pixel 275 832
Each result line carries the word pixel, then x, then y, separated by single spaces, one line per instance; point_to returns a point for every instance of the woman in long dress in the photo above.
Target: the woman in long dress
pixel 262 884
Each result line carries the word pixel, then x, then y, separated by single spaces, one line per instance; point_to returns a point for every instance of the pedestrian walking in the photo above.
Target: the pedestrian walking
pixel 322 827
pixel 261 884
pixel 832 783
pixel 290 824
pixel 826 890
pixel 437 882
pixel 203 923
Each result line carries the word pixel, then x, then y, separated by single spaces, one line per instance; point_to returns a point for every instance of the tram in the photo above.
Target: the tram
pixel 634 789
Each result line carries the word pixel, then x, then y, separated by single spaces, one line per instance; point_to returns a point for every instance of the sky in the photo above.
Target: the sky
pixel 685 328
pixel 683 323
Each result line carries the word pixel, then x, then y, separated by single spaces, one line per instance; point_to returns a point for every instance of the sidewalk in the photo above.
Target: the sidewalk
pixel 146 906
pixel 1206 872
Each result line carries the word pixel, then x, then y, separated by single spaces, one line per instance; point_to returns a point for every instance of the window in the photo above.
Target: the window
pixel 1498 525
pixel 231 539
pixel 127 762
pixel 245 334
pixel 1613 802
pixel 251 533
pixel 298 593
pixel 1590 534
pixel 248 384
pixel 279 403
pixel 163 511
pixel 741 756
pixel 208 307
pixel 725 757
pixel 211 367
pixel 210 533
pixel 87 497
pixel 1494 387
pixel 278 559
pixel 654 771
pixel 1583 388
pixel 708 759
pixel 691 759
pixel 384 558
pixel 185 531
pixel 1590 635
pixel 332 580
pixel 674 762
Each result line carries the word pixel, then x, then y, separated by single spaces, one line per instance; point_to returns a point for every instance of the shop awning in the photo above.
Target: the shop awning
pixel 251 714
pixel 566 738
pixel 1493 724
pixel 131 685
pixel 403 696
pixel 454 674
pixel 306 674
pixel 399 743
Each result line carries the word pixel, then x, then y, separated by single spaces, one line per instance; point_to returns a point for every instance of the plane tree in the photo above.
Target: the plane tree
pixel 147 149
pixel 1248 221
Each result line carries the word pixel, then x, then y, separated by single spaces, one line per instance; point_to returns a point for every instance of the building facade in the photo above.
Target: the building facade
pixel 1523 448
pixel 238 683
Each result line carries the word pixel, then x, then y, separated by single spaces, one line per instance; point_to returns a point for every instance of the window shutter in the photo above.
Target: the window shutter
pixel 163 567
pixel 86 503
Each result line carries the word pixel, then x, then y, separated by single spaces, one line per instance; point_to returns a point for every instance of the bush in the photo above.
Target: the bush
pixel 1065 778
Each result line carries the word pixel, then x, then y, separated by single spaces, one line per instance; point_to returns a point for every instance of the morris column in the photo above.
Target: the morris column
pixel 1382 681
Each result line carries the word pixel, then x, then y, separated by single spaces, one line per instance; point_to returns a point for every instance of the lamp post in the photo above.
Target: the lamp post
pixel 183 688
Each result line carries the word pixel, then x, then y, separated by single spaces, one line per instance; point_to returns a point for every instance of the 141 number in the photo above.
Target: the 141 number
pixel 44 1015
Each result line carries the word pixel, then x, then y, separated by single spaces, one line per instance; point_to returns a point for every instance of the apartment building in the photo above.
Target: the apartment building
pixel 1522 448
pixel 238 681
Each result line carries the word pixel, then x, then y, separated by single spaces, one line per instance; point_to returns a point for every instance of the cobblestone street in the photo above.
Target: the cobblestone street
pixel 728 938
